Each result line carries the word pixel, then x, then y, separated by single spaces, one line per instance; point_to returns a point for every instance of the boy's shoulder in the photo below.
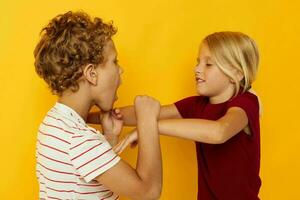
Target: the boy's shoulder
pixel 60 122
pixel 58 118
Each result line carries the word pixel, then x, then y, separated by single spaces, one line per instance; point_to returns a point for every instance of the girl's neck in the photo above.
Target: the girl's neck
pixel 223 96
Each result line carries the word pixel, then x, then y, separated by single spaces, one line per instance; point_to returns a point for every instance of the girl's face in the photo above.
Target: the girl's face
pixel 109 78
pixel 210 80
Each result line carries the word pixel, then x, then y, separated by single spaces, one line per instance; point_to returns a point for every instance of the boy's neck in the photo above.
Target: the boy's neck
pixel 77 101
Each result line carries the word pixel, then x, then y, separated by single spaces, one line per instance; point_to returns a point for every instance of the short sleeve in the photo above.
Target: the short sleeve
pixel 91 155
pixel 249 103
pixel 186 107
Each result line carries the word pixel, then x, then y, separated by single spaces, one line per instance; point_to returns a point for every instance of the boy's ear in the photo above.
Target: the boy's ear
pixel 90 74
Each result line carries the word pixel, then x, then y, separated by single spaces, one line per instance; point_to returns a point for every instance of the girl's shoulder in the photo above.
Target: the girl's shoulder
pixel 247 96
pixel 248 101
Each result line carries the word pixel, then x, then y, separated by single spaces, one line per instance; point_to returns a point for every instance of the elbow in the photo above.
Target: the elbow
pixel 152 192
pixel 220 134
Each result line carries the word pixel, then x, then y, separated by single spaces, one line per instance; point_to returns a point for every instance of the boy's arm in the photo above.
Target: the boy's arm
pixel 206 131
pixel 144 182
pixel 129 117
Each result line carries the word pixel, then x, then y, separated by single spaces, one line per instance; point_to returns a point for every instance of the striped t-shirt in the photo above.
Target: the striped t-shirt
pixel 69 155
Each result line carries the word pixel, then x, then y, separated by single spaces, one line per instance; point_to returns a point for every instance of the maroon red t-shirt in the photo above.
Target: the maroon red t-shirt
pixel 228 171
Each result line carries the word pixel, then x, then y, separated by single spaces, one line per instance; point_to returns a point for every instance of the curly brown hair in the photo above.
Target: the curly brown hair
pixel 69 42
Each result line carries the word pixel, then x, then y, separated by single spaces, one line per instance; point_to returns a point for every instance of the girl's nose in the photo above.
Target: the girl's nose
pixel 198 69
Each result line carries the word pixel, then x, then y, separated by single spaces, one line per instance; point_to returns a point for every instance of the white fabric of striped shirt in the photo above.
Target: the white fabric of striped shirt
pixel 69 155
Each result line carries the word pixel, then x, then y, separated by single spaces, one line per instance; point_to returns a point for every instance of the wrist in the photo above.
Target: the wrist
pixel 111 136
pixel 146 119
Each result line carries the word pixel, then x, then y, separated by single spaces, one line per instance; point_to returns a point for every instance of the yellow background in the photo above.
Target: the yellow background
pixel 157 43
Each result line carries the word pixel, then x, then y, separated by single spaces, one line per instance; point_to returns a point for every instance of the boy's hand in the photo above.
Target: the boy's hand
pixel 131 139
pixel 112 123
pixel 146 108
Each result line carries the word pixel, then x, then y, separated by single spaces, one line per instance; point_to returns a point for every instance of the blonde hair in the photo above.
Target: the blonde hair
pixel 235 52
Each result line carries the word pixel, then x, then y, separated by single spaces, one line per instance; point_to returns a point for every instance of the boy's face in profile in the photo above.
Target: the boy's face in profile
pixel 109 80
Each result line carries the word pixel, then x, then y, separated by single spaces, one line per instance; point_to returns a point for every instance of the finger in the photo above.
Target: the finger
pixel 117 147
pixel 125 144
pixel 120 145
pixel 116 114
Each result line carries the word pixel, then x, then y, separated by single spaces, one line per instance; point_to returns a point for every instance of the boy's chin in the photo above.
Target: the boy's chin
pixel 105 107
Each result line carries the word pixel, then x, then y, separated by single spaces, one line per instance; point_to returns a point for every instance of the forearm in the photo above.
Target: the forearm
pixel 149 163
pixel 128 115
pixel 166 112
pixel 201 130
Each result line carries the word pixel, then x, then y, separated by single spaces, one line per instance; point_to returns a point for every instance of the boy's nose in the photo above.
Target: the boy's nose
pixel 121 71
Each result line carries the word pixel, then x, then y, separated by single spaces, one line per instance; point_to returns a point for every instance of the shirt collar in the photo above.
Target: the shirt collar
pixel 69 113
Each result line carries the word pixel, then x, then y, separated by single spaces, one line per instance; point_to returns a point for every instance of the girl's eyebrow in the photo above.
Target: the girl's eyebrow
pixel 205 58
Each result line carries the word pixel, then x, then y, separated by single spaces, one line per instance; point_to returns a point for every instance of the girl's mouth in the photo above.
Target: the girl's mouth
pixel 199 80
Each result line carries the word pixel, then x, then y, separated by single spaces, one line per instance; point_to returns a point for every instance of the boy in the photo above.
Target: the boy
pixel 78 60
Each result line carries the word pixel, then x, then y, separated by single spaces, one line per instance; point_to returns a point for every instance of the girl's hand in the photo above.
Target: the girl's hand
pixel 112 123
pixel 131 139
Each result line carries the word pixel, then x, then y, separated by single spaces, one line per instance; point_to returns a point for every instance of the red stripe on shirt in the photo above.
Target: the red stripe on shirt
pixel 89 185
pixel 93 159
pixel 68 182
pixel 53 198
pixel 54 159
pixel 109 195
pixel 58 181
pixel 56 190
pixel 81 129
pixel 82 143
pixel 61 172
pixel 50 125
pixel 54 137
pixel 77 136
pixel 52 147
pixel 100 166
pixel 86 151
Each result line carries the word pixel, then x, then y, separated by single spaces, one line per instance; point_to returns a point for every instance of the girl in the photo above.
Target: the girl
pixel 223 119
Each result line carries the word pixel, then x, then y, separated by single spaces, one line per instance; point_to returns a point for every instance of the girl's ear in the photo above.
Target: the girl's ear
pixel 90 74
pixel 238 76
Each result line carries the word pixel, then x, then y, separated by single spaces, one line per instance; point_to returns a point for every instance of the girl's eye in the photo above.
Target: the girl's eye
pixel 208 64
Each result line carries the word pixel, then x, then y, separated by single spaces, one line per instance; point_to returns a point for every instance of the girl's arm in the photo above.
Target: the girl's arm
pixel 201 130
pixel 129 117
pixel 206 131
